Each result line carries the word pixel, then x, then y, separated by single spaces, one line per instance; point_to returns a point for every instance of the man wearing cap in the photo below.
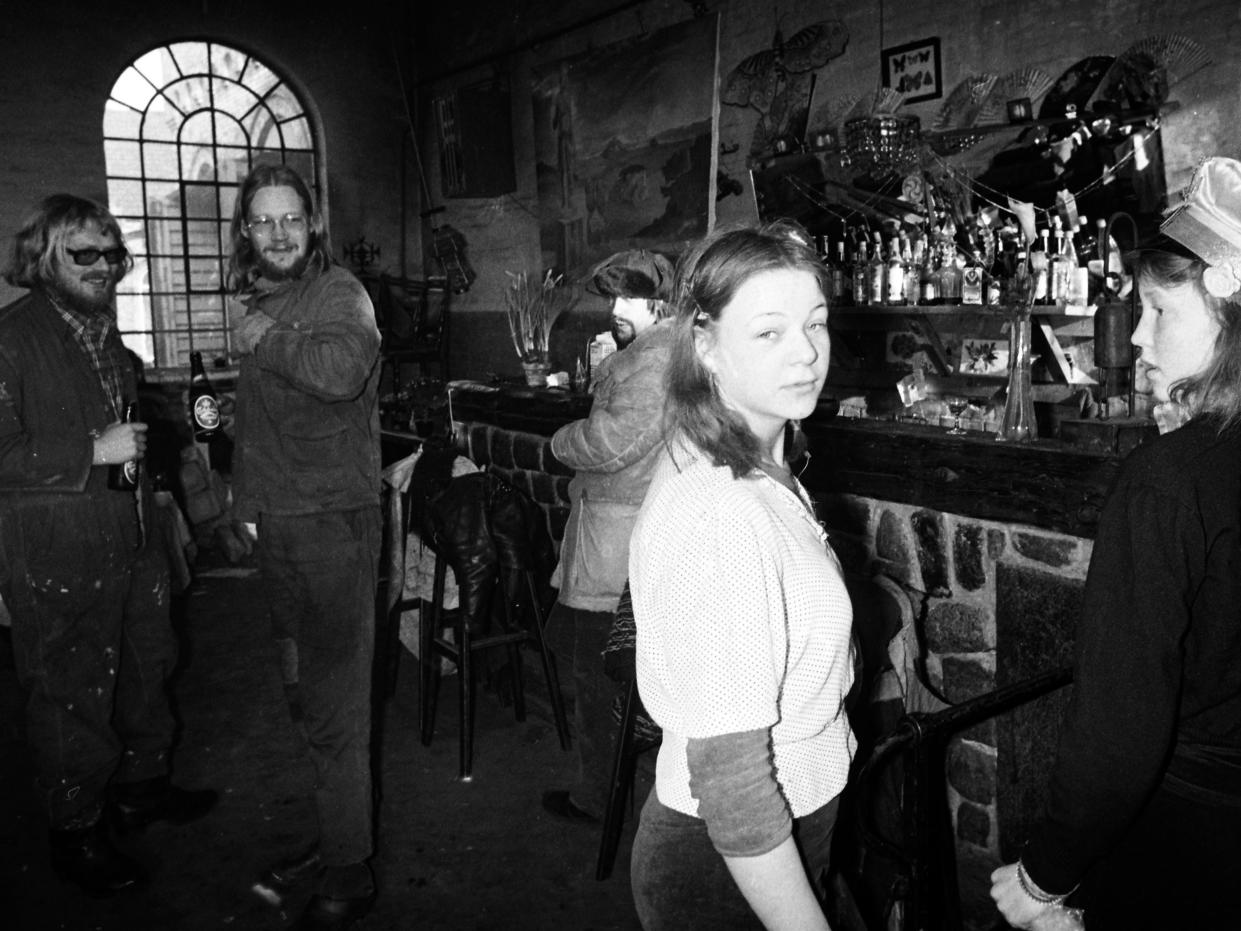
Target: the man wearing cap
pixel 613 452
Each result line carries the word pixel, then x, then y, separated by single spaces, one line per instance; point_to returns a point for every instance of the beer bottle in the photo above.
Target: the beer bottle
pixel 123 476
pixel 204 407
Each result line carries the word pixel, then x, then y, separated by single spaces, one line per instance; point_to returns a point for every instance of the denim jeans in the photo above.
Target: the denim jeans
pixel 681 883
pixel 321 573
pixel 94 646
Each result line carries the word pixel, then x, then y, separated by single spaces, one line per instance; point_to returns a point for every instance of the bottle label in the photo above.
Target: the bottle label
pixel 206 412
pixel 971 285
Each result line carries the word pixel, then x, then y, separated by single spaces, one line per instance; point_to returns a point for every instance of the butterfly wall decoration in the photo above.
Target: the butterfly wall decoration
pixel 777 82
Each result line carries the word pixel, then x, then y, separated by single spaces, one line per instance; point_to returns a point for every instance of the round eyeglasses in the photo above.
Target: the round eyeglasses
pixel 289 223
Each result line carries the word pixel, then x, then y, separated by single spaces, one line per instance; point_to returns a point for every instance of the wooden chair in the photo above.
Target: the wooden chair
pixel 413 318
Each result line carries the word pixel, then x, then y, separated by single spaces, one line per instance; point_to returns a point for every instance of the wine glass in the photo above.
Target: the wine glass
pixel 956 406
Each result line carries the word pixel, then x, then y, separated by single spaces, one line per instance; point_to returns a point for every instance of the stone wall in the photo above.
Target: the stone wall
pixel 991 604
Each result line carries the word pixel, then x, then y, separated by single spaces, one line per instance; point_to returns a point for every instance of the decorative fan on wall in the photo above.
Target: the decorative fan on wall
pixel 1142 74
pixel 964 104
pixel 959 113
pixel 881 101
pixel 1076 86
pixel 1030 83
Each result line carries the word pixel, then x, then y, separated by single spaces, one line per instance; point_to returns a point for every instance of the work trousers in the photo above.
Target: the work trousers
pixel 94 647
pixel 594 726
pixel 681 883
pixel 1178 865
pixel 321 573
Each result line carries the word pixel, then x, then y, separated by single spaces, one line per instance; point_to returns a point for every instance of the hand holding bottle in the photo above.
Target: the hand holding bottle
pixel 120 442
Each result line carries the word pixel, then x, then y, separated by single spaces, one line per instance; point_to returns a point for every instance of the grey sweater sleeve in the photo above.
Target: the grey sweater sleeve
pixel 734 781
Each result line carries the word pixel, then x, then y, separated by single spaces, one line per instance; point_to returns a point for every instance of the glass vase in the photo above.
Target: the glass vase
pixel 1018 424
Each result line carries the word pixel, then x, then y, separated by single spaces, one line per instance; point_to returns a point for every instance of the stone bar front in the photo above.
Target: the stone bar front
pixel 982 547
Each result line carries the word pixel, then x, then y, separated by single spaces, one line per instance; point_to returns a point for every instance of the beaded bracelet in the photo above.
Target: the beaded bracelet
pixel 1034 892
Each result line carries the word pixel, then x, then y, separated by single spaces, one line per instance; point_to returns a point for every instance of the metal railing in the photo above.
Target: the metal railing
pixel 925 895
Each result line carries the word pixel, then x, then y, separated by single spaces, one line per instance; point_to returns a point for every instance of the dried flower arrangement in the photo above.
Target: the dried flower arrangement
pixel 531 306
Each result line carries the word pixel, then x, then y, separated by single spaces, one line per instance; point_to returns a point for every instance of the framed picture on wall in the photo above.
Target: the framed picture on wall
pixel 913 69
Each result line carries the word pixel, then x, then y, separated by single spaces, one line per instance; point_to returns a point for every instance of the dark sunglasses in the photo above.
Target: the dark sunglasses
pixel 86 257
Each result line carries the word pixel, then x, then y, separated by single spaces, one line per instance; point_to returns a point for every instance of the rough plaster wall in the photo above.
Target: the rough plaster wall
pixel 994 36
pixel 61 58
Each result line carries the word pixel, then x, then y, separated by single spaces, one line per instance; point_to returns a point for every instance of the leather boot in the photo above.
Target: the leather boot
pixel 283 876
pixel 87 857
pixel 343 895
pixel 137 804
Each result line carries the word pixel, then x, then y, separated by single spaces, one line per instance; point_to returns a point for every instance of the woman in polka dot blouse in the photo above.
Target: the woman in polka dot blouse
pixel 743 621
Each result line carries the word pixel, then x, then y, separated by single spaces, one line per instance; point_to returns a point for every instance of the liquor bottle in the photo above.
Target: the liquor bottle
pixel 894 276
pixel 911 264
pixel 1076 277
pixel 1059 269
pixel 876 273
pixel 204 406
pixel 1020 284
pixel 1089 276
pixel 123 476
pixel 861 289
pixel 950 274
pixel 971 280
pixel 928 282
pixel 1039 268
pixel 842 285
pixel 993 274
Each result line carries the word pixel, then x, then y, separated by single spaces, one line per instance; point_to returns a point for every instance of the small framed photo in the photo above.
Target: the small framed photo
pixel 913 69
pixel 983 357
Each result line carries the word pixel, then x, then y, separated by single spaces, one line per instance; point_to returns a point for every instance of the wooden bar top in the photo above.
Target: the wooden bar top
pixel 1044 483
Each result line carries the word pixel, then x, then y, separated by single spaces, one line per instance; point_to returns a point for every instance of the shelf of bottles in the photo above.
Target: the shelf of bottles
pixel 945 310
pixel 937 270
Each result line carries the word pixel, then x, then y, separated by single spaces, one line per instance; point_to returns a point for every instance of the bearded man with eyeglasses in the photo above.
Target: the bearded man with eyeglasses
pixel 88 594
pixel 307 471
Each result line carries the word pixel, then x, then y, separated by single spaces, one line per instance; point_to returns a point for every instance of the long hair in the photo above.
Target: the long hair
pixel 1216 391
pixel 708 279
pixel 243 262
pixel 40 242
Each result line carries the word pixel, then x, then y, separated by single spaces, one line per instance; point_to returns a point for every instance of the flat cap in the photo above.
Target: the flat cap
pixel 633 273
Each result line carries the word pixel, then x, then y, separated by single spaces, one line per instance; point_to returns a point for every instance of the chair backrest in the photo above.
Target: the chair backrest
pixel 411 313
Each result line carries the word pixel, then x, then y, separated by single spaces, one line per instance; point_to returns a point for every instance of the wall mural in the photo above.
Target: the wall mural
pixel 778 82
pixel 625 144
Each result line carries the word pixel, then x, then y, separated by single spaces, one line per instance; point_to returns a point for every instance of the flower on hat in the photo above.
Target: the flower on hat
pixel 1222 280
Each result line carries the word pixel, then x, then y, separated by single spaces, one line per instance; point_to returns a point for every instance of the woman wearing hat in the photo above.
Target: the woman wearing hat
pixel 1143 820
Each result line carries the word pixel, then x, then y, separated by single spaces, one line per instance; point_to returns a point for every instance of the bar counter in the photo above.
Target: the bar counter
pixel 1045 483
pixel 974 551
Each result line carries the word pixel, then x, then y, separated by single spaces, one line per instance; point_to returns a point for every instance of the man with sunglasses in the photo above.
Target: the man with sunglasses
pixel 307 472
pixel 88 594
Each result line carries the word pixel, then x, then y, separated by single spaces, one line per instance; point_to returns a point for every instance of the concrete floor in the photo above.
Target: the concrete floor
pixel 451 855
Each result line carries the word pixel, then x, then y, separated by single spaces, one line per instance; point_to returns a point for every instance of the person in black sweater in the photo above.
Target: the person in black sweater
pixel 1143 820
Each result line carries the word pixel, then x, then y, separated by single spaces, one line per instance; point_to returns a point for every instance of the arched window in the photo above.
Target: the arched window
pixel 184 124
